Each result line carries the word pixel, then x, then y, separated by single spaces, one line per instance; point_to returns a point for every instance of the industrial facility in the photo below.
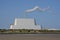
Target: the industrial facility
pixel 25 23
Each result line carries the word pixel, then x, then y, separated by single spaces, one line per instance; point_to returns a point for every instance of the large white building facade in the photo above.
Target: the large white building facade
pixel 25 23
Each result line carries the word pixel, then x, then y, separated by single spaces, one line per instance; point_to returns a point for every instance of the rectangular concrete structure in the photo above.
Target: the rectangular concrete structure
pixel 25 23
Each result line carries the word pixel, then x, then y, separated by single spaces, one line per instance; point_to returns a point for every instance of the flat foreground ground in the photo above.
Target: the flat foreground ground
pixel 29 36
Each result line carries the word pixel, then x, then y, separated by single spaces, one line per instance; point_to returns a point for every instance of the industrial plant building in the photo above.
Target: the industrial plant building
pixel 25 23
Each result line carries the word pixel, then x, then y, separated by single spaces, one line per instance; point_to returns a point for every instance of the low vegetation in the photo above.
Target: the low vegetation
pixel 23 31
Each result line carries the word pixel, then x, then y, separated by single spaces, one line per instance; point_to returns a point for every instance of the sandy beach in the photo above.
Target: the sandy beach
pixel 29 36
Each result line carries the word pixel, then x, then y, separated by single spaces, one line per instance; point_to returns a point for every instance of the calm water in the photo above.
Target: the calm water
pixel 29 36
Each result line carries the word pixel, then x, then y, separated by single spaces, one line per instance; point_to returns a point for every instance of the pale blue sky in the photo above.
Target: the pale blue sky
pixel 11 9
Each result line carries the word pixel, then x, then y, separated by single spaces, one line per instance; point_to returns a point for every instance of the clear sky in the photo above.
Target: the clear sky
pixel 11 9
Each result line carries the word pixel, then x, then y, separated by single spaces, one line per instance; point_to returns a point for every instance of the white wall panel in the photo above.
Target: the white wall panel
pixel 37 27
pixel 24 22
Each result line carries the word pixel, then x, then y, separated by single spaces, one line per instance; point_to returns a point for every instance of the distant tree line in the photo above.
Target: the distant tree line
pixel 27 31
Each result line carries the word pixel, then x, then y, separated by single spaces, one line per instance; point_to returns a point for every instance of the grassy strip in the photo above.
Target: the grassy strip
pixel 26 31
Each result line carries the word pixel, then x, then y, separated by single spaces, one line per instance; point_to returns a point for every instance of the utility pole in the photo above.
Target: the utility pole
pixel 41 27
